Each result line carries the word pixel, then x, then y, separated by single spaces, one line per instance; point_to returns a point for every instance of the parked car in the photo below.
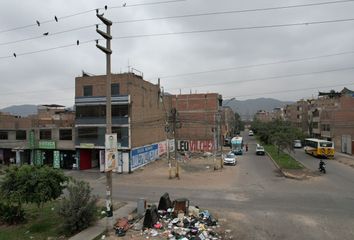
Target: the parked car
pixel 260 150
pixel 250 133
pixel 297 144
pixel 230 159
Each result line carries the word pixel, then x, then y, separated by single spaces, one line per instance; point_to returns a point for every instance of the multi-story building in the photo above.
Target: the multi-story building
pixel 297 115
pixel 330 116
pixel 138 119
pixel 262 116
pixel 227 123
pixel 44 138
pixel 199 117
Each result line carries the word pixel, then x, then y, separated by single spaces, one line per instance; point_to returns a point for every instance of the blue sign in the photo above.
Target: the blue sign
pixel 143 155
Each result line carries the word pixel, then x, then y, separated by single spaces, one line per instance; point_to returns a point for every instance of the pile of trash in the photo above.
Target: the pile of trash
pixel 174 221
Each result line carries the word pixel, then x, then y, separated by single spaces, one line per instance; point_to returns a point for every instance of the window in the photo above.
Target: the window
pixel 20 135
pixel 115 89
pixel 88 133
pixel 88 90
pixel 119 110
pixel 325 127
pixel 45 134
pixel 4 135
pixel 91 111
pixel 65 134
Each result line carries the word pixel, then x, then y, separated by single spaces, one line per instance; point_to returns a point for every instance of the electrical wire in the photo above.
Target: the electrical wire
pixel 236 28
pixel 268 78
pixel 199 31
pixel 86 11
pixel 232 11
pixel 173 17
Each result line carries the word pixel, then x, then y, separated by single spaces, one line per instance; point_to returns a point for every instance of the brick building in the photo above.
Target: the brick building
pixel 138 119
pixel 330 116
pixel 200 121
pixel 44 138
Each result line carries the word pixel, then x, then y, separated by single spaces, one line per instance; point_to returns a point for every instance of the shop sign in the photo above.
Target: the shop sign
pixel 87 145
pixel 31 139
pixel 46 144
pixel 56 159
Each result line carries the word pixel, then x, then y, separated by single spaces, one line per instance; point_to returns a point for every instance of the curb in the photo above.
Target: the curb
pixel 284 173
pixel 100 226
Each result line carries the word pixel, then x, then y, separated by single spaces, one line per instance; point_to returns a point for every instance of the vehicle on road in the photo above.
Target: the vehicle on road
pixel 260 150
pixel 250 133
pixel 297 144
pixel 319 148
pixel 230 159
pixel 322 166
pixel 237 145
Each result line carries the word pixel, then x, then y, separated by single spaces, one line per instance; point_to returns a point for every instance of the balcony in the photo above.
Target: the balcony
pixel 94 100
pixel 100 121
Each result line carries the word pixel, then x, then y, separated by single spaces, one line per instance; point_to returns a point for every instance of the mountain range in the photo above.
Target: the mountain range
pixel 246 108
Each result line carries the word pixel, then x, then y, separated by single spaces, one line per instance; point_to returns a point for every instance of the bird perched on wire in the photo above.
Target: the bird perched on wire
pixel 15 55
pixel 38 23
pixel 105 7
pixel 46 33
pixel 55 18
pixel 77 42
pixel 124 4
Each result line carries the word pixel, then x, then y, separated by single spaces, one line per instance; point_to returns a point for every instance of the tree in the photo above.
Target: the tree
pixel 79 208
pixel 32 184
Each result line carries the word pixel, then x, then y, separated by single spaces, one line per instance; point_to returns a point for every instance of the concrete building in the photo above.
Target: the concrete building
pixel 297 115
pixel 138 119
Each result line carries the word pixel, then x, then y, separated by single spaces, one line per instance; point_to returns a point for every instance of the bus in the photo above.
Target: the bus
pixel 319 148
pixel 237 145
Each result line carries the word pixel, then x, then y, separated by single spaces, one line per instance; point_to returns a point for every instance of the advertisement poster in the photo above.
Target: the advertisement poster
pixel 111 152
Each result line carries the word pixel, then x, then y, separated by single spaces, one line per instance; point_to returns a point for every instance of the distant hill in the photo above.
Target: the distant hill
pixel 248 108
pixel 21 110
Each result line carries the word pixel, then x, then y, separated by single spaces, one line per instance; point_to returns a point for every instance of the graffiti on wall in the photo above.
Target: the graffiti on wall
pixel 196 145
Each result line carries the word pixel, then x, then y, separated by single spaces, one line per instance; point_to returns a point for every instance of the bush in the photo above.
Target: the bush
pixel 79 208
pixel 11 214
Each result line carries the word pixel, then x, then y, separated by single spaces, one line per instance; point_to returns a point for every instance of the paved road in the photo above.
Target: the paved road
pixel 260 204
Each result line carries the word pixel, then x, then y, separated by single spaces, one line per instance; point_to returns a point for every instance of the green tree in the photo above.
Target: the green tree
pixel 31 184
pixel 79 208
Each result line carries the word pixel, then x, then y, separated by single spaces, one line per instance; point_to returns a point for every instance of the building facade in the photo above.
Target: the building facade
pixel 42 139
pixel 138 119
pixel 199 121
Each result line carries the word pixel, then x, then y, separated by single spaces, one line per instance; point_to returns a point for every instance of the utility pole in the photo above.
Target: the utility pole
pixel 107 50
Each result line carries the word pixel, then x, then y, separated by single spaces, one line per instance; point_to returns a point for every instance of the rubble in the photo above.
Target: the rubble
pixel 174 221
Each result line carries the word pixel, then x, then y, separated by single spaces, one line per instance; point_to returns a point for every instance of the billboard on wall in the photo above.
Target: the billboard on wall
pixel 196 145
pixel 143 155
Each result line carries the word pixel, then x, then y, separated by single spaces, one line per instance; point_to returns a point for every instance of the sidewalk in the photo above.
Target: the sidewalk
pixel 100 226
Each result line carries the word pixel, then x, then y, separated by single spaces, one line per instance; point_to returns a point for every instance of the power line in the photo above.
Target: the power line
pixel 84 12
pixel 50 34
pixel 258 65
pixel 201 31
pixel 268 78
pixel 172 17
pixel 233 11
pixel 236 28
pixel 296 90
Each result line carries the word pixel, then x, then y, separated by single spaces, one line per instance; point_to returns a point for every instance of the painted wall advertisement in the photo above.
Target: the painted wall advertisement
pixel 196 145
pixel 163 147
pixel 143 155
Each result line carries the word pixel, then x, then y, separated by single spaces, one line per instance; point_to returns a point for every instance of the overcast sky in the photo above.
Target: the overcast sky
pixel 253 60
